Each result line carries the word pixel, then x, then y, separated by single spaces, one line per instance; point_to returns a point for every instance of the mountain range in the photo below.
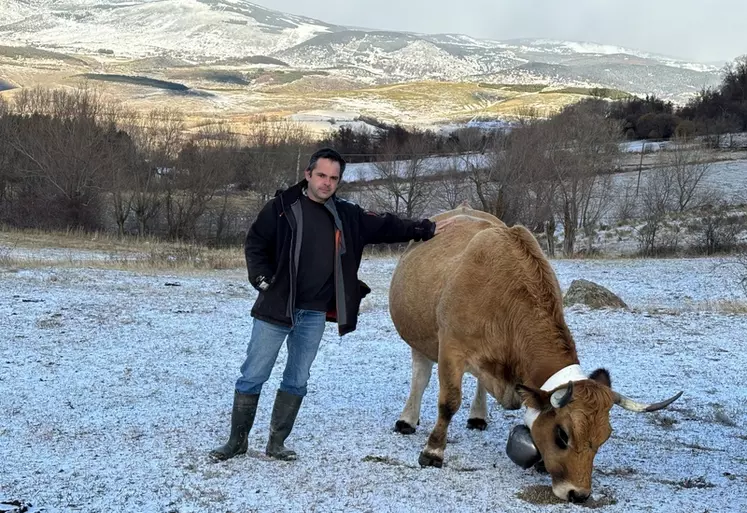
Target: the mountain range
pixel 157 37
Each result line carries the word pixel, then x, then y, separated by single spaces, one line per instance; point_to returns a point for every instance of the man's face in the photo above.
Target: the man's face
pixel 323 180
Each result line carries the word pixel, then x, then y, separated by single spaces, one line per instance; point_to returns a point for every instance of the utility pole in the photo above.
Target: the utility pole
pixel 640 168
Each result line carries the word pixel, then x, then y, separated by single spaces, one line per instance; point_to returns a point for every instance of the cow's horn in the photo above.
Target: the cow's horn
pixel 562 396
pixel 635 406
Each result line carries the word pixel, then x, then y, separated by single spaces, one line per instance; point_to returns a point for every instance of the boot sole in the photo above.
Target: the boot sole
pixel 220 456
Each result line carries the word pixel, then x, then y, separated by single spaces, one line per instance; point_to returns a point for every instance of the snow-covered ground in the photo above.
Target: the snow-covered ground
pixel 367 171
pixel 114 386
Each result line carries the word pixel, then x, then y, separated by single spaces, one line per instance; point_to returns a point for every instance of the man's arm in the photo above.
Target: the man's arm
pixel 387 228
pixel 259 248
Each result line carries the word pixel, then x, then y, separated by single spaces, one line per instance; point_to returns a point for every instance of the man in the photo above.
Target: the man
pixel 302 254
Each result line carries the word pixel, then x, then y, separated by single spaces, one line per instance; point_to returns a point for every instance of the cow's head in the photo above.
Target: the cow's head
pixel 572 422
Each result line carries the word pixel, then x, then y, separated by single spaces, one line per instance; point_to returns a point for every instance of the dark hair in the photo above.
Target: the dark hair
pixel 326 153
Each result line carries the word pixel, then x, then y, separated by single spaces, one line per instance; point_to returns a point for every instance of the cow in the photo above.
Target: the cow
pixel 483 298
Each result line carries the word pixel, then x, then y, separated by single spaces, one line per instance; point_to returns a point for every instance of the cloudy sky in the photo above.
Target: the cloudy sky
pixel 692 29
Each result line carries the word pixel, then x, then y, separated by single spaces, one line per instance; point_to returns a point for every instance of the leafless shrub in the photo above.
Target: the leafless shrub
pixel 625 206
pixel 582 147
pixel 687 162
pixel 451 188
pixel 401 183
pixel 717 230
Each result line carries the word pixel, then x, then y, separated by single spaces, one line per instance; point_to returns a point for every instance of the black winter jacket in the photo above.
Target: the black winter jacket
pixel 272 249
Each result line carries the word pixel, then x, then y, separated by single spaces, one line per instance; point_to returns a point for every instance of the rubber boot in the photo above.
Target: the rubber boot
pixel 242 418
pixel 284 414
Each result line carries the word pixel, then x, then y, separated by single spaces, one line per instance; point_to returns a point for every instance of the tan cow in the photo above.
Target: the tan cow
pixel 482 298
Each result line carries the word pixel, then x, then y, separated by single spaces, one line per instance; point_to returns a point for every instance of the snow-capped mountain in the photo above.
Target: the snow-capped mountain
pixel 202 31
pixel 184 28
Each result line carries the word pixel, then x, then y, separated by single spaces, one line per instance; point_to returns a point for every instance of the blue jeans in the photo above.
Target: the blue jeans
pixel 264 345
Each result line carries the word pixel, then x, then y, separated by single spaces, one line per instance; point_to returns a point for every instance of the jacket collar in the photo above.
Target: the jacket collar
pixel 293 193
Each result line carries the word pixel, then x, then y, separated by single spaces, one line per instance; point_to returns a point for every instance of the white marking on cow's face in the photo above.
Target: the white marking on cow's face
pixel 561 490
pixel 530 416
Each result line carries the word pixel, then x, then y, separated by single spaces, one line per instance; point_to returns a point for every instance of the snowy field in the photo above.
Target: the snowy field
pixel 114 386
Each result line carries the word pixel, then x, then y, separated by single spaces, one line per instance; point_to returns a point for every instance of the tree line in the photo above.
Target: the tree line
pixel 72 159
pixel 557 177
pixel 712 112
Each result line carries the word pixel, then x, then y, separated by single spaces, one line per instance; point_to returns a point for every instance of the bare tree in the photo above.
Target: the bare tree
pixel 535 184
pixel 7 156
pixel 481 177
pixel 688 162
pixel 657 200
pixel 596 203
pixel 582 145
pixel 158 136
pixel 505 166
pixel 401 179
pixel 451 189
pixel 273 157
pixel 69 153
pixel 202 168
pixel 124 160
pixel 625 206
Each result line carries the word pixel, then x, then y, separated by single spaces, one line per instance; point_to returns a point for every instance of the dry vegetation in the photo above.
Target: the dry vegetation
pixel 231 91
pixel 543 495
pixel 26 249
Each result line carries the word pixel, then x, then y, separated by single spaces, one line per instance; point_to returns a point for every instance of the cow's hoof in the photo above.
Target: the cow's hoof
pixel 430 460
pixel 540 467
pixel 479 424
pixel 403 428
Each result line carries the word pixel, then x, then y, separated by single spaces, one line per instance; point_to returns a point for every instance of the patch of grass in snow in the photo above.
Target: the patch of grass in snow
pixel 698 447
pixel 538 494
pixel 685 413
pixel 28 52
pixel 720 417
pixel 618 471
pixel 50 323
pixel 664 421
pixel 690 482
pixel 386 460
pixel 128 252
pixel 720 306
pixel 5 256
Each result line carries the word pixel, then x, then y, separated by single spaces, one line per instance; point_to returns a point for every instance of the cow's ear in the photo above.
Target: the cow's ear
pixel 601 376
pixel 534 398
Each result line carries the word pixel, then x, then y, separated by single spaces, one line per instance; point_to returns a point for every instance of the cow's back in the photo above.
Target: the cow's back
pixel 423 273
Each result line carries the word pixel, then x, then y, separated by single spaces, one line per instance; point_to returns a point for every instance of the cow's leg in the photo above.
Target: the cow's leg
pixel 450 373
pixel 478 413
pixel 422 368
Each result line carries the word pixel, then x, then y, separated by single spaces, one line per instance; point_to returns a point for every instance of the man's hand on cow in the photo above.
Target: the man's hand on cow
pixel 443 224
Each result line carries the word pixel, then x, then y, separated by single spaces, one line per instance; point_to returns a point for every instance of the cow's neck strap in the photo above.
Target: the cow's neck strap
pixel 563 376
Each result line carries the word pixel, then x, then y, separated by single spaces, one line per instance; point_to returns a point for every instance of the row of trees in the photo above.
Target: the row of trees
pixel 367 145
pixel 712 111
pixel 72 159
pixel 558 172
pixel 534 174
